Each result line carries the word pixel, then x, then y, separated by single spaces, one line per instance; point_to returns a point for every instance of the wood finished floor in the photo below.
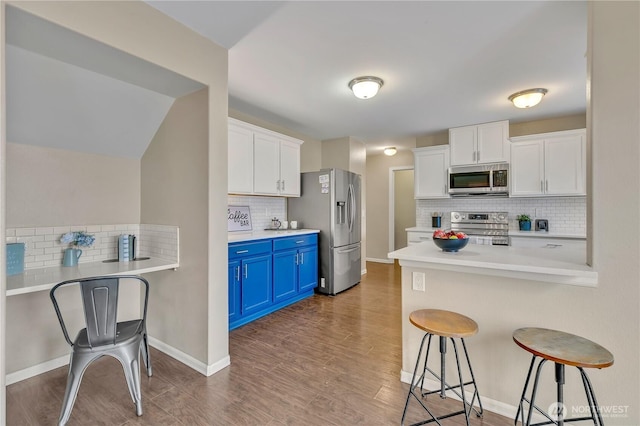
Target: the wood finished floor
pixel 323 361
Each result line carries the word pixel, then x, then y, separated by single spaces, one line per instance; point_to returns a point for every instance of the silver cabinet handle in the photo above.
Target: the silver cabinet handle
pixel 302 258
pixel 246 271
pixel 283 184
pixel 299 241
pixel 238 273
pixel 297 259
pixel 242 251
pixel 278 185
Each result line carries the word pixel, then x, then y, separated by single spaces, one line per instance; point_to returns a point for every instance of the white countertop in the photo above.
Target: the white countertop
pixel 43 279
pixel 564 264
pixel 234 237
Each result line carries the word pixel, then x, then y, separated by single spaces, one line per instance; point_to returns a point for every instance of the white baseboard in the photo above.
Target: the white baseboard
pixel 29 372
pixel 188 360
pixel 498 407
pixel 184 358
pixel 373 259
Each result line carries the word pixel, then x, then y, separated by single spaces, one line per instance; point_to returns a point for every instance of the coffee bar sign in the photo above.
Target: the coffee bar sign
pixel 238 218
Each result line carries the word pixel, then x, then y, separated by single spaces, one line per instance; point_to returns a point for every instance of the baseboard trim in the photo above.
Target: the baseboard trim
pixel 188 360
pixel 373 259
pixel 33 371
pixel 488 404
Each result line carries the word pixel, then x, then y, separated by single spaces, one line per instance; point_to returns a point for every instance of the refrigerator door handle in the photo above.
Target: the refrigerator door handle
pixel 348 250
pixel 350 206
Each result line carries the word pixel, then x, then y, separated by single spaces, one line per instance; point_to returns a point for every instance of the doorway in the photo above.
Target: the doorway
pixel 402 206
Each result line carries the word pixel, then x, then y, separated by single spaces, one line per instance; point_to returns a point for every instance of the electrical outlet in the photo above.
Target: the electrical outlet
pixel 418 281
pixel 322 283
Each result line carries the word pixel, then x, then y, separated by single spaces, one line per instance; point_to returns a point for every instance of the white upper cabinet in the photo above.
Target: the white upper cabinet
pixel 266 164
pixel 240 154
pixel 431 165
pixel 262 162
pixel 479 144
pixel 290 168
pixel 549 164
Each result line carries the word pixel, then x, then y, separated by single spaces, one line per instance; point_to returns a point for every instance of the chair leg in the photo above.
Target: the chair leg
pixel 130 360
pixel 146 355
pixel 77 366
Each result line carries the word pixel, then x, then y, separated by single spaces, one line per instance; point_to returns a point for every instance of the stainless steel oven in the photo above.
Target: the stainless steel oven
pixel 483 227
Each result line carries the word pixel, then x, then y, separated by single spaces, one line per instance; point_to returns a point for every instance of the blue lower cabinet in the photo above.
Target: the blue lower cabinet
pixel 285 275
pixel 308 269
pixel 234 290
pixel 267 275
pixel 256 284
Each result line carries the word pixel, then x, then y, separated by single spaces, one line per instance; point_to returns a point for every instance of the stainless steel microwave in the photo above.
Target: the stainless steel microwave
pixel 483 179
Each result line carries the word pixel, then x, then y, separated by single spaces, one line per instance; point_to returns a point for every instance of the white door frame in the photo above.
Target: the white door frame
pixel 392 197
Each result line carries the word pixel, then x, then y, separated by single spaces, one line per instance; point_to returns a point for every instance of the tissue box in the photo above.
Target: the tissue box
pixel 15 258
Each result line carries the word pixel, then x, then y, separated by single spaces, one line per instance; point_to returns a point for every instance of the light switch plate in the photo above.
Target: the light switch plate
pixel 418 281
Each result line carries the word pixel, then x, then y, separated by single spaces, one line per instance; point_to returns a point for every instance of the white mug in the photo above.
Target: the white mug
pixel 294 224
pixel 284 225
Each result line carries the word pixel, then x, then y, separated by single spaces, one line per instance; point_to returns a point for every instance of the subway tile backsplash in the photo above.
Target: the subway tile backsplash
pixel 262 209
pixel 43 248
pixel 565 214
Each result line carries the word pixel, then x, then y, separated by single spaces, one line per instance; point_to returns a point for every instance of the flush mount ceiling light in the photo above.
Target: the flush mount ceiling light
pixel 390 150
pixel 527 98
pixel 365 87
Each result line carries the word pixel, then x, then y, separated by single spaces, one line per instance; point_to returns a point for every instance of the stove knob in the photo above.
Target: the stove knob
pixel 501 216
pixel 456 216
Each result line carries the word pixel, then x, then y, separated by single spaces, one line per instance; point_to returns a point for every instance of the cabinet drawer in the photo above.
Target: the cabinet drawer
pixel 418 237
pixel 293 242
pixel 249 249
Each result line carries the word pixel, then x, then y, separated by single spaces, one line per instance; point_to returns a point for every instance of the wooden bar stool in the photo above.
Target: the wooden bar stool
pixel 444 324
pixel 563 349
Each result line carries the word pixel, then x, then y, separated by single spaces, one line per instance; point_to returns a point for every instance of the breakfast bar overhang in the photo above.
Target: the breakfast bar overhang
pixel 502 289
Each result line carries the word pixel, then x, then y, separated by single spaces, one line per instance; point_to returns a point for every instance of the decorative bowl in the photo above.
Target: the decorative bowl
pixel 451 245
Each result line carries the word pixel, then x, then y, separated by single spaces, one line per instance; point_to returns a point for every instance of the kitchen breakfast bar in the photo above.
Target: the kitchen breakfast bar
pixel 502 289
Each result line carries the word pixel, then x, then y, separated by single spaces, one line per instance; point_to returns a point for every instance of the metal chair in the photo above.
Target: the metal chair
pixel 103 335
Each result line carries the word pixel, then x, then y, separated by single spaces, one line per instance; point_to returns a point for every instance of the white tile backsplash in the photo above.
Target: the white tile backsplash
pixel 43 247
pixel 565 214
pixel 262 209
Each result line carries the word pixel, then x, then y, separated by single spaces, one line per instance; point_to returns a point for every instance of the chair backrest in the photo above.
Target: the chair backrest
pixel 100 302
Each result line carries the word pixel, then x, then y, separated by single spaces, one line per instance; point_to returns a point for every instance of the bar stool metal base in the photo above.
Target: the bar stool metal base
pixel 559 412
pixel 416 388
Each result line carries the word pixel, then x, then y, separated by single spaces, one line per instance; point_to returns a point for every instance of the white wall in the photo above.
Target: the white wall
pixel 55 187
pixel 378 201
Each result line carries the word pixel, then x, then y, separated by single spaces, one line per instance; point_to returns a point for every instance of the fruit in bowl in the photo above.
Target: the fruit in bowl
pixel 450 241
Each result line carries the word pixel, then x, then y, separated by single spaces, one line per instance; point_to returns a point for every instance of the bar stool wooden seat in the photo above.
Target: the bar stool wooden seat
pixel 563 349
pixel 444 324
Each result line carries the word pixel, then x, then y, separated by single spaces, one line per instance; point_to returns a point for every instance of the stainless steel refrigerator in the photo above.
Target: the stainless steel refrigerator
pixel 330 202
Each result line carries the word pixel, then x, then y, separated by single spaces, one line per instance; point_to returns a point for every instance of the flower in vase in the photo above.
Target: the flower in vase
pixel 78 239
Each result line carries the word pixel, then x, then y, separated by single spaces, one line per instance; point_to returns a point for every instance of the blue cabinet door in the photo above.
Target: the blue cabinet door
pixel 307 268
pixel 256 283
pixel 234 290
pixel 285 275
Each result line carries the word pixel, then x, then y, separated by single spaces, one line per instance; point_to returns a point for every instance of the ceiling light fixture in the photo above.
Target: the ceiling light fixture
pixel 365 87
pixel 527 98
pixel 390 150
